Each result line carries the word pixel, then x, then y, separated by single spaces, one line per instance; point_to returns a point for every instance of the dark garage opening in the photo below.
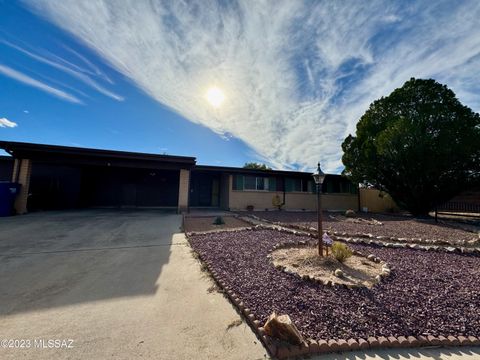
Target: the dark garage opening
pixel 54 187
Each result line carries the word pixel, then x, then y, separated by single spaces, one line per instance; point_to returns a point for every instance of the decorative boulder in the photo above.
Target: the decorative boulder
pixel 338 273
pixel 281 327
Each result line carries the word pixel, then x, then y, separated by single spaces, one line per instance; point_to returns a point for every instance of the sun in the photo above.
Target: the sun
pixel 215 96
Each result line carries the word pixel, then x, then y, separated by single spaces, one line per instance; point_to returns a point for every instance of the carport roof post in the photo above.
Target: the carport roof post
pixel 86 156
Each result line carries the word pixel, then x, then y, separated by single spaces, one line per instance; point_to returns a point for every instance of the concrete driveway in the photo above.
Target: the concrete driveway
pixel 124 285
pixel 120 284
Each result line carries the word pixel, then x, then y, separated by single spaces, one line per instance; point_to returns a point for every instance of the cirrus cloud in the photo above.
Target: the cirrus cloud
pixel 4 122
pixel 297 75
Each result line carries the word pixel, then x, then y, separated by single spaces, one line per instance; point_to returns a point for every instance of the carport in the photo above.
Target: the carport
pixel 61 177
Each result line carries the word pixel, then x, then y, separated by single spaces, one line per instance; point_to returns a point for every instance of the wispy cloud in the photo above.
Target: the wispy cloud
pixel 68 68
pixel 4 122
pixel 23 78
pixel 297 74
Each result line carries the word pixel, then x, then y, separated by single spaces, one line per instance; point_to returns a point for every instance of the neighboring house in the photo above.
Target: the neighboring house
pixel 61 177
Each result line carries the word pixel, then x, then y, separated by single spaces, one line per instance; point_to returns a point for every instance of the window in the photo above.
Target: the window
pixel 250 183
pixel 299 185
pixel 335 185
pixel 255 183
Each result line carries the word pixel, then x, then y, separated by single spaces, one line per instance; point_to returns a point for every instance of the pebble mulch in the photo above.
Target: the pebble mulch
pixel 402 227
pixel 427 294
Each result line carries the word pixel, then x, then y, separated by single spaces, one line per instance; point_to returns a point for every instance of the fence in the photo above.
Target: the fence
pixel 459 207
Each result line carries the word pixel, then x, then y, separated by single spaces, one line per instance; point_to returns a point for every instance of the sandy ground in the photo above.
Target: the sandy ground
pixel 205 223
pixel 304 260
pixel 116 290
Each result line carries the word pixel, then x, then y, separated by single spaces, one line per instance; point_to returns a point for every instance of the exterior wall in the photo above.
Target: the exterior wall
pixel 261 200
pixel 340 202
pixel 24 171
pixel 183 190
pixel 370 199
pixel 300 201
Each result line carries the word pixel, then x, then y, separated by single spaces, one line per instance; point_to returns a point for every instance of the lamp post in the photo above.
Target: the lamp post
pixel 318 178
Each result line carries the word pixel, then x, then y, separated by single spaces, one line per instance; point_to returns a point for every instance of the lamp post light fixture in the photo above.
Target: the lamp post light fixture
pixel 318 178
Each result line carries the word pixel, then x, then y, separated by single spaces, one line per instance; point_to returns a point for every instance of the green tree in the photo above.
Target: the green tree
pixel 254 165
pixel 419 144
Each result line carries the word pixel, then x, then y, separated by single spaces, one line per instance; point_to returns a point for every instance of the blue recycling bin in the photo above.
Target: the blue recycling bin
pixel 8 192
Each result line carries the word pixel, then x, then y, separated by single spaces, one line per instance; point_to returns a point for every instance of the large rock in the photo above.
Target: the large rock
pixel 281 327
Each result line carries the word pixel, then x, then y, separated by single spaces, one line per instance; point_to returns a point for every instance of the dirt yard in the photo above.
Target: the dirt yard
pixel 205 223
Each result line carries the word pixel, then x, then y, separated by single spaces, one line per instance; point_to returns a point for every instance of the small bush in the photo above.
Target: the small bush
pixel 349 213
pixel 218 221
pixel 341 251
pixel 277 202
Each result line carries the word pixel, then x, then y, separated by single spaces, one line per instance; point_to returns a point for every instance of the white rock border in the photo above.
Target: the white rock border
pixel 386 269
pixel 365 238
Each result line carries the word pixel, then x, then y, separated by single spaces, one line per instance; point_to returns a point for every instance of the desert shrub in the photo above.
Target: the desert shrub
pixel 277 202
pixel 349 213
pixel 218 221
pixel 341 251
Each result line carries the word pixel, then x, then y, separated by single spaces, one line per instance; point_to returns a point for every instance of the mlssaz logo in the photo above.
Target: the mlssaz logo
pixel 53 343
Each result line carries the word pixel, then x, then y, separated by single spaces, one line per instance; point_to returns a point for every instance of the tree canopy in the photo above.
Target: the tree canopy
pixel 419 144
pixel 254 165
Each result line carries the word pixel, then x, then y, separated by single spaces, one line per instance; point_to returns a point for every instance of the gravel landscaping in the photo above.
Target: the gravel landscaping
pixel 428 293
pixel 397 226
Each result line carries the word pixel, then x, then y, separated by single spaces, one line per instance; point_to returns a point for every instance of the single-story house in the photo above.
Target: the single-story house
pixel 61 177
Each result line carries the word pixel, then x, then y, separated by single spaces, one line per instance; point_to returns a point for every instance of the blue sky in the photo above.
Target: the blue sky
pixel 296 75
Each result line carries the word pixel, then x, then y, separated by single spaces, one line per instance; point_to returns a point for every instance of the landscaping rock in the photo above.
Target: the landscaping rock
pixel 338 273
pixel 414 301
pixel 281 327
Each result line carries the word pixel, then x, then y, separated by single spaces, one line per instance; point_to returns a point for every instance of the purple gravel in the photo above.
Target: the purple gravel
pixel 432 293
pixel 397 226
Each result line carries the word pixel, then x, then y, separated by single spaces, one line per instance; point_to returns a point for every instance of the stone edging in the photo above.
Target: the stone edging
pixel 386 269
pixel 363 238
pixel 281 350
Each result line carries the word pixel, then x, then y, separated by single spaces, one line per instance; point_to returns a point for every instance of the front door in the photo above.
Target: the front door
pixel 204 190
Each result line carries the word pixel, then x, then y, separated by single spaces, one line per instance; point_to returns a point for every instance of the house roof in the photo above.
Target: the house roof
pixel 238 170
pixel 88 156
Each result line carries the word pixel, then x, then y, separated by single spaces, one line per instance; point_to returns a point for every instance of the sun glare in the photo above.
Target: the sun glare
pixel 215 96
